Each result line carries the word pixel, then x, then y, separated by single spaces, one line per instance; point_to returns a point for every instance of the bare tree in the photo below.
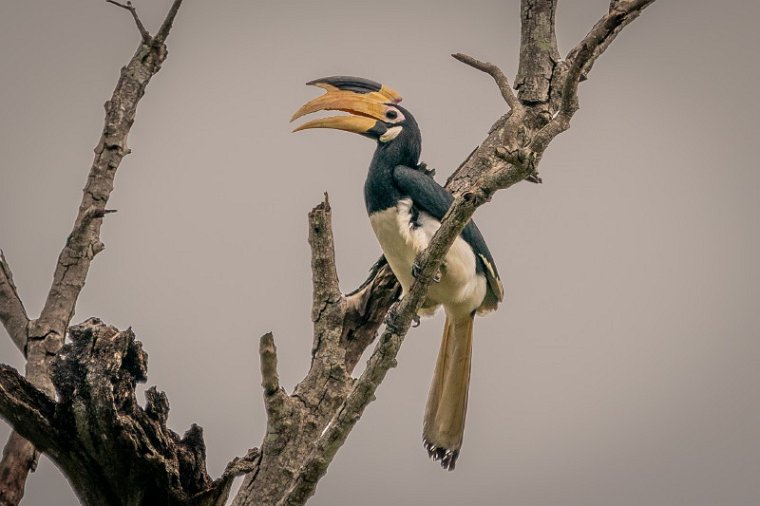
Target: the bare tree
pixel 77 400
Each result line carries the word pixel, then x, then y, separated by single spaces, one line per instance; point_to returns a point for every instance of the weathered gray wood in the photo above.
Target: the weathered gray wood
pixel 12 312
pixel 538 50
pixel 112 450
pixel 45 335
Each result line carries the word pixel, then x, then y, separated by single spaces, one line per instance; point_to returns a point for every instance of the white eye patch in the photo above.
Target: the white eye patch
pixel 391 134
pixel 393 115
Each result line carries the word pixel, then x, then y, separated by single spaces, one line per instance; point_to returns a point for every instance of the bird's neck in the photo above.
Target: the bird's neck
pixel 380 191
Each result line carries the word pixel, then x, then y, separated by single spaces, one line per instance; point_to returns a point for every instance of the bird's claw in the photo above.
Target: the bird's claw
pixel 534 178
pixel 392 314
pixel 390 318
pixel 417 270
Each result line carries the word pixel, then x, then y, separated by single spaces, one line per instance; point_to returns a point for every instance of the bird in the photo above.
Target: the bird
pixel 405 206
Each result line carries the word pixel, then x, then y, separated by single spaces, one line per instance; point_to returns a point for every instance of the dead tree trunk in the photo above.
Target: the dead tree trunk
pixel 77 402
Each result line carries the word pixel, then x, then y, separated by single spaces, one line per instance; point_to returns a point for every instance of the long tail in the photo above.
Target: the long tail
pixel 446 409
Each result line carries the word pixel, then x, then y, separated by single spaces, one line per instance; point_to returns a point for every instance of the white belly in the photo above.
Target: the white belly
pixel 461 290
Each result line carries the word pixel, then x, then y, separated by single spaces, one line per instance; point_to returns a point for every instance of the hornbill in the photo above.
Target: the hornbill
pixel 405 206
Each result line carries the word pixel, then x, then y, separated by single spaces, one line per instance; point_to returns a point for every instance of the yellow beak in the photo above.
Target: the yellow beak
pixel 366 107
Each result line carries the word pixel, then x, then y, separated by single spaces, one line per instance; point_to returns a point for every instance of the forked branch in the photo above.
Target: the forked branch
pixel 146 38
pixel 44 336
pixel 579 62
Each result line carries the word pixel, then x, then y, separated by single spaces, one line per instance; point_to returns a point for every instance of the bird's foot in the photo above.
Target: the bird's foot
pixel 417 270
pixel 423 167
pixel 391 317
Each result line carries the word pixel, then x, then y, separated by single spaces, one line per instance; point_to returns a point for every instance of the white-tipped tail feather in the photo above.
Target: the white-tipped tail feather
pixel 443 428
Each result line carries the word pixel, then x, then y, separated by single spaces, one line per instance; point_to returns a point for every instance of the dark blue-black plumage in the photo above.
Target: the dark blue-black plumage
pixel 393 175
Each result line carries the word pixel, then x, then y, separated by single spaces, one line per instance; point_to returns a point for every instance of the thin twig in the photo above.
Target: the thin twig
pixel 498 75
pixel 146 38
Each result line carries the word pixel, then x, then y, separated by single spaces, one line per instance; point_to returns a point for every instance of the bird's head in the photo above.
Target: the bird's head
pixel 373 111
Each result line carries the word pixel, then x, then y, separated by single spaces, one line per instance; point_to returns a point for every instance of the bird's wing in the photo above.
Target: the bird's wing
pixel 427 195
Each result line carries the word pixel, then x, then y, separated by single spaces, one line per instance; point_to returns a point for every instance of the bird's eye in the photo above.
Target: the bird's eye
pixel 391 114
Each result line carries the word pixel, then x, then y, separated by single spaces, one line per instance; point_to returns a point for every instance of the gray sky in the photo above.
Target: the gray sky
pixel 623 367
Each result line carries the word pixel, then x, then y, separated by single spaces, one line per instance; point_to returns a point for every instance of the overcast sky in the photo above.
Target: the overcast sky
pixel 623 368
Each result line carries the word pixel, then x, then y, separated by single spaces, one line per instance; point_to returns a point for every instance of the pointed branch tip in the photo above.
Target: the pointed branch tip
pixel 498 75
pixel 270 380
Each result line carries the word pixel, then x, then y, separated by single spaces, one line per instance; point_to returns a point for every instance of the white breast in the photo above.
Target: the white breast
pixel 460 289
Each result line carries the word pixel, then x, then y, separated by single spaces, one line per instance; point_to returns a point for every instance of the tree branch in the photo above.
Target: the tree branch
pixel 14 477
pixel 275 398
pixel 31 410
pixel 581 59
pixel 366 308
pixel 270 380
pixel 621 13
pixel 538 50
pixel 166 26
pixel 26 407
pixel 46 334
pixel 343 328
pixel 12 312
pixel 112 450
pixel 146 38
pixel 324 272
pixel 498 75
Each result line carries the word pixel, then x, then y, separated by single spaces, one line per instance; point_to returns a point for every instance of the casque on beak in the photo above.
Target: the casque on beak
pixel 366 102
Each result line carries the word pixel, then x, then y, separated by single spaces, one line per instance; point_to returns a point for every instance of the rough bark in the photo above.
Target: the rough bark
pixel 343 326
pixel 13 477
pixel 12 312
pixel 97 415
pixel 43 338
pixel 538 50
pixel 112 450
